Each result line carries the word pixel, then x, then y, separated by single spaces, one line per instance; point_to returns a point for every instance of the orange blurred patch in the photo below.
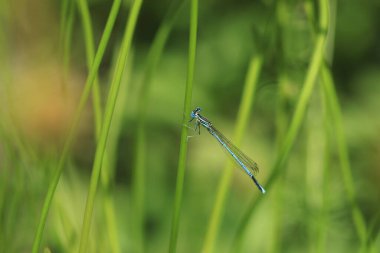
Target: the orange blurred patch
pixel 41 104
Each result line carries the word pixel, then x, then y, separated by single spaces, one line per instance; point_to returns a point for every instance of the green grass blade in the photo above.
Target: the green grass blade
pixel 318 223
pixel 65 6
pixel 109 109
pixel 66 41
pixel 297 119
pixel 96 101
pixel 90 52
pixel 87 29
pixel 109 163
pixel 88 86
pixel 187 109
pixel 324 220
pixel 242 121
pixel 333 106
pixel 315 146
pixel 278 199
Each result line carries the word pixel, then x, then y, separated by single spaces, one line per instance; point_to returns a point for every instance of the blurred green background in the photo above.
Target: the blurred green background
pixel 316 201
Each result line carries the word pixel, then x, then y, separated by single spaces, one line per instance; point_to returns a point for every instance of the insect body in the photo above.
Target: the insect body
pixel 250 167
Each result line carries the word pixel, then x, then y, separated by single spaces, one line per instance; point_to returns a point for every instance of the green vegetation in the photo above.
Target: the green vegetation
pixel 97 153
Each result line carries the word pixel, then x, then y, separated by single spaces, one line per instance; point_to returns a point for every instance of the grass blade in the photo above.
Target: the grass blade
pixel 90 52
pixel 66 30
pixel 96 102
pixel 89 82
pixel 187 108
pixel 109 109
pixel 242 120
pixel 333 106
pixel 311 76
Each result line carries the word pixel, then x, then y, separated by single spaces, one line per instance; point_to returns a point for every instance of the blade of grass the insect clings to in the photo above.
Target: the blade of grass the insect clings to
pixel 184 131
pixel 138 179
pixel 333 106
pixel 245 107
pixel 297 119
pixel 72 132
pixel 89 46
pixel 109 109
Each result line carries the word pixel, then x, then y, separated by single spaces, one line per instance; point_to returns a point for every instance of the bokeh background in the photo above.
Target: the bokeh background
pixel 45 54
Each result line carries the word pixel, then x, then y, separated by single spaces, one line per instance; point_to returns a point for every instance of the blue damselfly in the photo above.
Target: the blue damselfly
pixel 249 166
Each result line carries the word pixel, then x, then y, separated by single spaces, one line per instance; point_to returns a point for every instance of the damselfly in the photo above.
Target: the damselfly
pixel 249 166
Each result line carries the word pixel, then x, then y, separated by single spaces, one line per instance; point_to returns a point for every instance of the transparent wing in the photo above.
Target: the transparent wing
pixel 248 162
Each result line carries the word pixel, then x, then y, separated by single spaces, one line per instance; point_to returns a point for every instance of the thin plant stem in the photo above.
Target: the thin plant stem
pixel 333 106
pixel 109 109
pixel 63 20
pixel 314 160
pixel 66 42
pixel 89 46
pixel 183 144
pixel 318 222
pixel 96 101
pixel 278 198
pixel 242 121
pixel 108 168
pixel 296 122
pixel 72 132
pixel 322 236
pixel 373 233
pixel 90 52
